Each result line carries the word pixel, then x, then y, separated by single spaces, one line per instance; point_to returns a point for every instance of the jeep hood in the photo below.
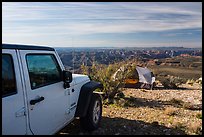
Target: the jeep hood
pixel 78 78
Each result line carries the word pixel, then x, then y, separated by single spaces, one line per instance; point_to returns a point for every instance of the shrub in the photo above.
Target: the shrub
pixel 199 115
pixel 104 74
pixel 120 95
pixel 171 81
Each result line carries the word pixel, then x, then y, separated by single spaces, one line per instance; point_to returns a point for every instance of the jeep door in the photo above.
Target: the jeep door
pixel 13 103
pixel 48 101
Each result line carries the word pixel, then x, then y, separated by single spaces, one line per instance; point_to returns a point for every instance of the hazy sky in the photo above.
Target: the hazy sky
pixel 103 24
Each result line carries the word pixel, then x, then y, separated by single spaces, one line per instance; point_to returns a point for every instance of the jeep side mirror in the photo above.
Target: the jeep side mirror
pixel 67 78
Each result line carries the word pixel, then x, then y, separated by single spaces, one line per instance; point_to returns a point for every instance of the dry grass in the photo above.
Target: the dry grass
pixel 196 128
pixel 171 111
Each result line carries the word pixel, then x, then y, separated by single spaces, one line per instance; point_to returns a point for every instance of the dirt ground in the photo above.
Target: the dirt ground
pixel 149 112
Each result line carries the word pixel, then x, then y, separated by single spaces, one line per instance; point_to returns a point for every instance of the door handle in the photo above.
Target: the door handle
pixel 34 101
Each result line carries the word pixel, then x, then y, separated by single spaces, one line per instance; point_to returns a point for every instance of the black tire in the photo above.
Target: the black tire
pixel 92 119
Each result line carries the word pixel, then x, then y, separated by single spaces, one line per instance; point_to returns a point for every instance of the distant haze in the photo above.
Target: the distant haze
pixel 103 24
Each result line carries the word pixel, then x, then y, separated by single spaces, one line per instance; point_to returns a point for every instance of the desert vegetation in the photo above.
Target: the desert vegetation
pixel 104 74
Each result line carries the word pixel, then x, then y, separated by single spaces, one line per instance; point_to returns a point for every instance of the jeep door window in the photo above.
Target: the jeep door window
pixel 8 76
pixel 43 70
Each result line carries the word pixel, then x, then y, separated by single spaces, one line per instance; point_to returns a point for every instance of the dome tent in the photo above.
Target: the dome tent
pixel 146 77
pixel 138 77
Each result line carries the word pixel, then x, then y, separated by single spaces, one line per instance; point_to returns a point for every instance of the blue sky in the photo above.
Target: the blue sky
pixel 103 24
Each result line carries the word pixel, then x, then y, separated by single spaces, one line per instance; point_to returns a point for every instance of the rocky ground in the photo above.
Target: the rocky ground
pixel 149 112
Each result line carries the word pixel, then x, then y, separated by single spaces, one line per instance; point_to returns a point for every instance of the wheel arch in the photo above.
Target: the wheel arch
pixel 85 97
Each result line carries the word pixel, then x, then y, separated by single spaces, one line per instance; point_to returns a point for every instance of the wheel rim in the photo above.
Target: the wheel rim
pixel 96 112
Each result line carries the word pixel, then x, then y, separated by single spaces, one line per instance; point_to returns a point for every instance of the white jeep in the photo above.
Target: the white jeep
pixel 40 97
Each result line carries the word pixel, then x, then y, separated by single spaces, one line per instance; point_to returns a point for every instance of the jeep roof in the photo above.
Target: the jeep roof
pixel 26 47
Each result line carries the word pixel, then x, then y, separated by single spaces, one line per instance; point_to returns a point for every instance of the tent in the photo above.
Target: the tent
pixel 140 78
pixel 146 77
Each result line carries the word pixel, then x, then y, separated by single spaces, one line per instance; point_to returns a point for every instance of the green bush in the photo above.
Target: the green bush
pixel 104 74
pixel 199 115
pixel 171 82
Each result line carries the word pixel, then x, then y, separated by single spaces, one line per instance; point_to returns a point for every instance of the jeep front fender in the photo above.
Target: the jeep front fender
pixel 85 97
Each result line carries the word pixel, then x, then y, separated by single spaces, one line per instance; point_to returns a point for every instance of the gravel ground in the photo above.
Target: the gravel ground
pixel 149 112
